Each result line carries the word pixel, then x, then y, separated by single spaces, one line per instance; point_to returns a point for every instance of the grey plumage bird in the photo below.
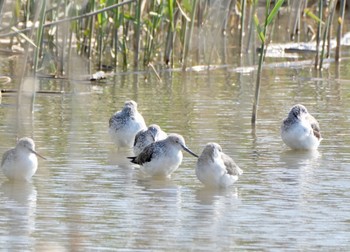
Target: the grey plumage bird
pixel 216 169
pixel 300 130
pixel 163 157
pixel 124 125
pixel 21 162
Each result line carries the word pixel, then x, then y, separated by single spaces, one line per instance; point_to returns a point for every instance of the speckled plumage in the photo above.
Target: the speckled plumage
pixel 300 130
pixel 124 125
pixel 216 169
pixel 163 157
pixel 145 137
pixel 21 162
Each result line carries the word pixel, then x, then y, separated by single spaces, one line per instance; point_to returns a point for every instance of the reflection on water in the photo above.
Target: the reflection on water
pixel 299 158
pixel 300 162
pixel 208 196
pixel 88 196
pixel 18 210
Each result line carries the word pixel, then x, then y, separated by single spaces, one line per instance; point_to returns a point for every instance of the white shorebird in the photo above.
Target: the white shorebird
pixel 300 130
pixel 145 137
pixel 21 162
pixel 124 125
pixel 160 159
pixel 216 169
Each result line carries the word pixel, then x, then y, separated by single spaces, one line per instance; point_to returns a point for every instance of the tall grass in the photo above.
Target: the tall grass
pixel 137 33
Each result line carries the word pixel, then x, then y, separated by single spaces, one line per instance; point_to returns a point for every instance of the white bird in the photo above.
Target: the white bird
pixel 216 169
pixel 145 137
pixel 300 130
pixel 161 158
pixel 21 162
pixel 124 125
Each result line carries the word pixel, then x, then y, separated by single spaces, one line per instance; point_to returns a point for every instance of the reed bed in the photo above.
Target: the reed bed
pixel 134 33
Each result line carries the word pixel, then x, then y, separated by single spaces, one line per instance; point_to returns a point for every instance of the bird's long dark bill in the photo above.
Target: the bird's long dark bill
pixel 189 151
pixel 36 153
pixel 133 160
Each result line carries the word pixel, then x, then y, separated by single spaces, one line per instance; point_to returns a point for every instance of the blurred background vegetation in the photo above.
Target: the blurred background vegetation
pixel 139 34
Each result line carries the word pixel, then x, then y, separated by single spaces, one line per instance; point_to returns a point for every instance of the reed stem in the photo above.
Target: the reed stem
pixel 137 28
pixel 340 28
pixel 261 60
pixel 319 31
pixel 189 35
pixel 257 86
pixel 242 31
pixel 39 37
pixel 269 17
pixel 325 35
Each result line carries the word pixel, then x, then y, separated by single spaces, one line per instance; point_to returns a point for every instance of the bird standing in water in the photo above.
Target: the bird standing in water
pixel 124 125
pixel 21 162
pixel 216 169
pixel 162 158
pixel 300 130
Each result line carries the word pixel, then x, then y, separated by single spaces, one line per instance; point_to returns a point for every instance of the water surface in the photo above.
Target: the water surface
pixel 88 197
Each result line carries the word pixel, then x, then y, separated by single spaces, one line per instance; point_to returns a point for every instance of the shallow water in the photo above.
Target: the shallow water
pixel 87 196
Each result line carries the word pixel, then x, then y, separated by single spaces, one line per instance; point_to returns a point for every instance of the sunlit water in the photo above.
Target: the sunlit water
pixel 87 196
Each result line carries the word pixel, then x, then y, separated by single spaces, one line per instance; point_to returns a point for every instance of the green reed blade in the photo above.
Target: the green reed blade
pixel 274 12
pixel 309 13
pixel 171 13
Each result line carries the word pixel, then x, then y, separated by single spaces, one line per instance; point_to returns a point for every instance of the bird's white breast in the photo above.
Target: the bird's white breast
pixel 300 136
pixel 211 172
pixel 20 167
pixel 163 165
